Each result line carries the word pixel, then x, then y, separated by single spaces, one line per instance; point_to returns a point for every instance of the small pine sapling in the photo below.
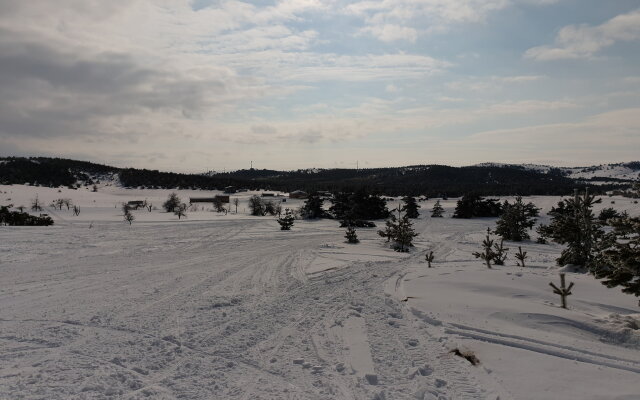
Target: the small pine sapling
pixel 351 235
pixel 286 221
pixel 36 205
pixel 562 290
pixel 500 253
pixel 437 210
pixel 487 254
pixel 429 258
pixel 521 256
pixel 390 228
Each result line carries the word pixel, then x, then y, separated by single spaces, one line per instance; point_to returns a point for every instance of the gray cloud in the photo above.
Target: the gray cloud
pixel 47 92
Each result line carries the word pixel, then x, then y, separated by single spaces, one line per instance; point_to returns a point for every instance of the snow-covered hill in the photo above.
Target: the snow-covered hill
pixel 619 171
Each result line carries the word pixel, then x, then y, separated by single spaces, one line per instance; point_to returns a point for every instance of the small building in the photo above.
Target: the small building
pixel 230 189
pixel 135 204
pixel 298 194
pixel 201 200
pixel 268 194
pixel 223 198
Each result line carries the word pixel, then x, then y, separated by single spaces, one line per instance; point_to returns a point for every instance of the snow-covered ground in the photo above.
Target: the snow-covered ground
pixel 221 306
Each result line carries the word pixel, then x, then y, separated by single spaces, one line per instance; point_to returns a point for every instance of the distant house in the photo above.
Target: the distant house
pixel 230 189
pixel 223 198
pixel 135 204
pixel 298 194
pixel 268 194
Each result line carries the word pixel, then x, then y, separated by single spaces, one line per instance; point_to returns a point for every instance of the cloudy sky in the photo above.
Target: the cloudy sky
pixel 195 85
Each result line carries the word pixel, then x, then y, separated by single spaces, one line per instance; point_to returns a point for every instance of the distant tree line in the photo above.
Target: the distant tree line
pixel 426 180
pixel 52 172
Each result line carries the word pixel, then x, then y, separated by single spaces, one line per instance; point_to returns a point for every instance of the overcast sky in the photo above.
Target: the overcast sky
pixel 204 84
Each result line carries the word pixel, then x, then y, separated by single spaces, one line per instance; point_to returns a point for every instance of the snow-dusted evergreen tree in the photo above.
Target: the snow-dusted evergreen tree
pixel 286 221
pixel 410 207
pixel 516 220
pixel 618 259
pixel 574 224
pixel 437 211
pixel 351 235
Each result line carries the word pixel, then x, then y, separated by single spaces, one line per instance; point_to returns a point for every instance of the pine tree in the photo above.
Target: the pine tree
pixel 404 233
pixel 500 253
pixel 521 256
pixel 573 224
pixel 351 235
pixel 437 210
pixel 286 221
pixel 172 202
pixel 312 207
pixel 606 214
pixel 359 205
pixel 516 220
pixel 474 206
pixel 487 254
pixel 390 228
pixel 410 207
pixel 618 259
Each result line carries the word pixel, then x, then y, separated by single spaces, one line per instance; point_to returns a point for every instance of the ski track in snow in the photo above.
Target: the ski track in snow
pixel 236 309
pixel 203 311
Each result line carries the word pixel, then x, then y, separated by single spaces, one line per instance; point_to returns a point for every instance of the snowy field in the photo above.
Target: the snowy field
pixel 217 306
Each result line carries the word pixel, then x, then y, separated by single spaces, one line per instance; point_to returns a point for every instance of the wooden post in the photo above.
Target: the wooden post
pixel 562 290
